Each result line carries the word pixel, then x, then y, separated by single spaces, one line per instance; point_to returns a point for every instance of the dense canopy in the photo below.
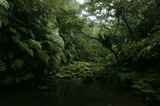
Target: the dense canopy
pixel 116 41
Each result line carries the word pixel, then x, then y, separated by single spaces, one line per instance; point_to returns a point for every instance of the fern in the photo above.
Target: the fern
pixel 24 45
pixel 63 57
pixel 55 60
pixel 30 52
pixel 42 55
pixel 48 45
pixel 4 4
pixel 17 36
pixel 56 39
pixel 3 17
pixel 2 66
pixel 17 64
pixel 34 44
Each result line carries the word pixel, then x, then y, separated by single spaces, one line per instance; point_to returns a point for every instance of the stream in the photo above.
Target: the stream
pixel 70 93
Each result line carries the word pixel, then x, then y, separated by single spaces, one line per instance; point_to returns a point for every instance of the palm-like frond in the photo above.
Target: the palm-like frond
pixel 4 4
pixel 34 44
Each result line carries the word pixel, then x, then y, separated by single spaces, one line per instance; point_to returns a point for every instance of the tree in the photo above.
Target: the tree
pixel 31 46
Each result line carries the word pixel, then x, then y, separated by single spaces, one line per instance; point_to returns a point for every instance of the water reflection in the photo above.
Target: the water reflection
pixel 70 93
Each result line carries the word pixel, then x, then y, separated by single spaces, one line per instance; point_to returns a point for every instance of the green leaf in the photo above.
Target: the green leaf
pixel 17 64
pixel 12 30
pixel 35 44
pixel 137 87
pixel 42 55
pixel 4 3
pixel 23 29
pixel 30 52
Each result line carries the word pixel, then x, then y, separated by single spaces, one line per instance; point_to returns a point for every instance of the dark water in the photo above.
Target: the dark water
pixel 70 93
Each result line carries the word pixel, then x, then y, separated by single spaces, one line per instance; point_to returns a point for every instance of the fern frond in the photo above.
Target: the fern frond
pixel 4 4
pixel 3 17
pixel 42 55
pixel 35 44
pixel 52 47
pixel 30 52
pixel 55 60
pixel 56 39
pixel 17 36
pixel 63 57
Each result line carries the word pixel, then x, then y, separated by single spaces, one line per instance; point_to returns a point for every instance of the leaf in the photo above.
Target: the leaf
pixel 42 55
pixel 35 44
pixel 30 52
pixel 56 39
pixel 5 4
pixel 16 37
pixel 12 30
pixel 17 64
pixel 63 57
pixel 23 29
pixel 3 17
pixel 137 87
pixel 149 91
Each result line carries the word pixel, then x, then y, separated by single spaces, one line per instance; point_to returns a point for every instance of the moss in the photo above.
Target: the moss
pixel 81 70
pixel 63 76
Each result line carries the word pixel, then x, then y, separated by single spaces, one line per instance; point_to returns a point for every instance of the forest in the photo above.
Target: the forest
pixel 116 42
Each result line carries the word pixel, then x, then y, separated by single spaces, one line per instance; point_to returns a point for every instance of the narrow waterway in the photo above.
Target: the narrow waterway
pixel 70 93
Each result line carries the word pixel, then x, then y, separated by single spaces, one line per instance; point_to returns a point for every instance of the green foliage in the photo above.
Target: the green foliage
pixel 2 66
pixel 63 76
pixel 126 79
pixel 3 12
pixel 145 49
pixel 144 89
pixel 4 4
pixel 17 64
pixel 53 35
pixel 85 71
pixel 26 76
pixel 32 46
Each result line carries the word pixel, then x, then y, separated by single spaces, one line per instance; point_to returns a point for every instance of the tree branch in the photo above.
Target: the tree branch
pixel 129 28
pixel 92 38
